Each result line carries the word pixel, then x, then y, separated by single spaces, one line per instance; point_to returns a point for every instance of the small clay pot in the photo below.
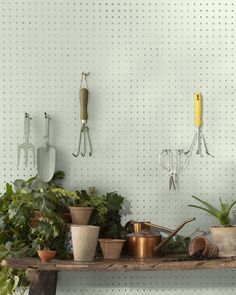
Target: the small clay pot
pixel 46 255
pixel 200 246
pixel 111 248
pixel 81 215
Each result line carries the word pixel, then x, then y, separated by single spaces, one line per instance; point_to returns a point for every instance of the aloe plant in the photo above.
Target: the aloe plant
pixel 221 214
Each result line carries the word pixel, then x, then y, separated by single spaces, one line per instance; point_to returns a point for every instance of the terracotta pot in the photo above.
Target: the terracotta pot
pixel 225 240
pixel 201 246
pixel 84 241
pixel 81 215
pixel 111 248
pixel 46 255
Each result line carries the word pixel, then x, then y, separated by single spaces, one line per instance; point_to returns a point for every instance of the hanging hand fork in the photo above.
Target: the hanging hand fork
pixel 84 130
pixel 26 146
pixel 167 162
pixel 198 136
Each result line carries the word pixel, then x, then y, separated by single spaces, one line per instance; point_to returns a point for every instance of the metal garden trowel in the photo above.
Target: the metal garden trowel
pixel 46 155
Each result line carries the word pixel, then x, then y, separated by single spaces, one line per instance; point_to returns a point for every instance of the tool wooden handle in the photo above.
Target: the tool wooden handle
pixel 83 93
pixel 198 109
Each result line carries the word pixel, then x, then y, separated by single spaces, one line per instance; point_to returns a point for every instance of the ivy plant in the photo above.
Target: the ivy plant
pixel 17 237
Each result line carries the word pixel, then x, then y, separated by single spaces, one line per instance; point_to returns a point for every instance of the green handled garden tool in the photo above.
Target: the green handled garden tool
pixel 84 130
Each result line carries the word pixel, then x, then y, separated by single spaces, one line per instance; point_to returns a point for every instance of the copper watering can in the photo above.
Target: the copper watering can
pixel 144 244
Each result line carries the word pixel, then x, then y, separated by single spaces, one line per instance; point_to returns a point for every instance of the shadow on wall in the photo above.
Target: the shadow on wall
pixel 147 282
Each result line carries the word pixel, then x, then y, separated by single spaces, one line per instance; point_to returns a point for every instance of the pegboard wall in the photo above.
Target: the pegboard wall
pixel 146 59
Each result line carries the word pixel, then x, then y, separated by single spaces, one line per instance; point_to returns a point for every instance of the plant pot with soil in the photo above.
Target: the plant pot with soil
pixel 224 236
pixel 46 255
pixel 84 204
pixel 111 248
pixel 47 236
pixel 112 232
pixel 80 215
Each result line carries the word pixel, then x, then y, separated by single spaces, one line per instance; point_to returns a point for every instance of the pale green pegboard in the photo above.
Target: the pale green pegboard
pixel 146 59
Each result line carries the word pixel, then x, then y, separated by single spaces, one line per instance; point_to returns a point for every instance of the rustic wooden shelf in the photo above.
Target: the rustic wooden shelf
pixel 179 262
pixel 43 276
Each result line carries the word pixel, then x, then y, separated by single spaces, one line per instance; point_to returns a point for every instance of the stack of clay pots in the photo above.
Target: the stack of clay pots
pixel 84 236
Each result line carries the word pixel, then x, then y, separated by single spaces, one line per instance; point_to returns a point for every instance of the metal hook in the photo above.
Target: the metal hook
pixel 84 77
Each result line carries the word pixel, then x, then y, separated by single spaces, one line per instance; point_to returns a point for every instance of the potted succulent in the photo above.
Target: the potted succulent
pixel 223 236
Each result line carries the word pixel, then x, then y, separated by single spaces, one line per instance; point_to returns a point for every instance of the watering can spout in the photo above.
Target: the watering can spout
pixel 171 235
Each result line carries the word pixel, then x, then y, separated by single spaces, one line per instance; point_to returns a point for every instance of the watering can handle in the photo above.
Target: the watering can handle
pixel 126 227
pixel 166 240
pixel 161 228
pixel 134 222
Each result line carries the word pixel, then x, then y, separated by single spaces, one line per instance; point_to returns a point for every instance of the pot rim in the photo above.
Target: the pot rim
pixel 78 207
pixel 50 251
pixel 111 240
pixel 84 225
pixel 223 227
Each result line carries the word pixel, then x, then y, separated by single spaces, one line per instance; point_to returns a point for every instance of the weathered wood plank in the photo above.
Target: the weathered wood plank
pixel 42 282
pixel 123 264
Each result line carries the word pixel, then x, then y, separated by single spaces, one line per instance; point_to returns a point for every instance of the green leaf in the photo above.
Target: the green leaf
pixel 16 282
pixel 231 206
pixel 19 184
pixel 9 189
pixel 202 208
pixel 4 252
pixel 209 206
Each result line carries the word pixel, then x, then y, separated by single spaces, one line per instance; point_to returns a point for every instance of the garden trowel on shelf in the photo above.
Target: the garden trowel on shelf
pixel 46 155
